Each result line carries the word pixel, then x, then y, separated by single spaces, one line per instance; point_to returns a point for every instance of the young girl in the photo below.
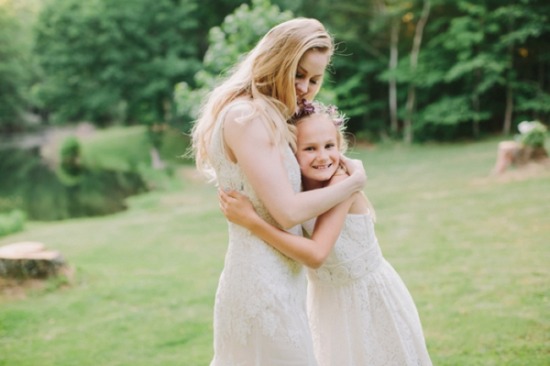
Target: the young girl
pixel 360 311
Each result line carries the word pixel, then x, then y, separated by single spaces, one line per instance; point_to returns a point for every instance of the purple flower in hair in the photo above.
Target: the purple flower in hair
pixel 307 108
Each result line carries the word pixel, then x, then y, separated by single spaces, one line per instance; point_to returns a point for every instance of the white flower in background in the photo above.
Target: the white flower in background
pixel 532 133
pixel 526 126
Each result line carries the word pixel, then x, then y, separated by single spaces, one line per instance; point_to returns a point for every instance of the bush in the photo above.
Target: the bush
pixel 70 156
pixel 12 222
pixel 533 134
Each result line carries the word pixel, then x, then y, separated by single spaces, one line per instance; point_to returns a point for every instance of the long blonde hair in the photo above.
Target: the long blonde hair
pixel 266 75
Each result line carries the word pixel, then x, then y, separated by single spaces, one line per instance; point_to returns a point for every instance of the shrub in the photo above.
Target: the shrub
pixel 532 134
pixel 12 222
pixel 70 156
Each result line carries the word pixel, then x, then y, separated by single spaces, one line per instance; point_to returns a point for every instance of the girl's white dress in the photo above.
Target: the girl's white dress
pixel 360 311
pixel 260 315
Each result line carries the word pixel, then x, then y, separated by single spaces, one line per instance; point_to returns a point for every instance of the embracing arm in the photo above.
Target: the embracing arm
pixel 311 252
pixel 251 146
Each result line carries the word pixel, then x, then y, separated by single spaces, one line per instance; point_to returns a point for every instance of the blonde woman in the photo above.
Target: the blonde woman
pixel 242 139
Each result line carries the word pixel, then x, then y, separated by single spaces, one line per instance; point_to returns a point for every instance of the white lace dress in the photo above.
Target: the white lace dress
pixel 260 313
pixel 360 311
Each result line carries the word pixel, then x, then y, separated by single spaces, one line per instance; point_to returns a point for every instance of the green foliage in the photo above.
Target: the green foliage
pixel 450 111
pixel 14 69
pixel 104 61
pixel 12 222
pixel 70 158
pixel 238 34
pixel 532 134
pixel 533 100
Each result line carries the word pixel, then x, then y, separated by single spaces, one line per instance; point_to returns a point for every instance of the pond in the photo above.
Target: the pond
pixel 28 183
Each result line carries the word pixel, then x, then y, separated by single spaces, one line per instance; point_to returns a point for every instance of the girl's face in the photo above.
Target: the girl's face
pixel 317 151
pixel 309 74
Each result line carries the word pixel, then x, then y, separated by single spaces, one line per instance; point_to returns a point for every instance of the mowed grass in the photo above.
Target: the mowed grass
pixel 474 251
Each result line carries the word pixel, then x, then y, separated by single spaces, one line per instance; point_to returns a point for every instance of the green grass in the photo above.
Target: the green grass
pixel 472 249
pixel 127 148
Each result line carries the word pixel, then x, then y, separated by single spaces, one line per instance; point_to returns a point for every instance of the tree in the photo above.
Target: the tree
pixel 486 64
pixel 411 95
pixel 467 67
pixel 14 66
pixel 238 34
pixel 359 29
pixel 521 25
pixel 105 60
pixel 458 86
pixel 391 12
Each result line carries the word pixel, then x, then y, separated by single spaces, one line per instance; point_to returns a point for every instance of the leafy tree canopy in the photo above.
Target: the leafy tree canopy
pixel 106 60
pixel 238 34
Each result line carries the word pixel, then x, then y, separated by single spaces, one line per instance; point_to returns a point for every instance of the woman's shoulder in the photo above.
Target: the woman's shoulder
pixel 239 108
pixel 241 111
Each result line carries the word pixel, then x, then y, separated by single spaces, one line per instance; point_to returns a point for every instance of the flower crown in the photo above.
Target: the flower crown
pixel 308 108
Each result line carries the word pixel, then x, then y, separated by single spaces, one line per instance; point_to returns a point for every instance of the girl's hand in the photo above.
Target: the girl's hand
pixel 237 208
pixel 339 175
pixel 356 171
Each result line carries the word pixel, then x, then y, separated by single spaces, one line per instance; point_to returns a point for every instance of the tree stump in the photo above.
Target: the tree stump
pixel 526 154
pixel 515 154
pixel 29 260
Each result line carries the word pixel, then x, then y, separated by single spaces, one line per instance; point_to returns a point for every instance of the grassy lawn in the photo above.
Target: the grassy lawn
pixel 473 250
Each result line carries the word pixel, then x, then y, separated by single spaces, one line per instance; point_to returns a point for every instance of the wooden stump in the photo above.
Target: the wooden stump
pixel 29 260
pixel 527 154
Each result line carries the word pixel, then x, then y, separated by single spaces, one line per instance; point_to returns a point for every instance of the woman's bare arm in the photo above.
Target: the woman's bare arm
pixel 251 146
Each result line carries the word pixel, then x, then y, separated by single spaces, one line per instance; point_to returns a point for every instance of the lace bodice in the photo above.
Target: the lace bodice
pixel 355 253
pixel 260 288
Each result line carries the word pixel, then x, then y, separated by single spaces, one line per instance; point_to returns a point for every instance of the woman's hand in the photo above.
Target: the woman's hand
pixel 237 208
pixel 356 171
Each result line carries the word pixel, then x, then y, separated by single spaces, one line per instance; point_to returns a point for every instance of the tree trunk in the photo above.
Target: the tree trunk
pixel 156 161
pixel 392 83
pixel 509 110
pixel 475 123
pixel 408 122
pixel 477 105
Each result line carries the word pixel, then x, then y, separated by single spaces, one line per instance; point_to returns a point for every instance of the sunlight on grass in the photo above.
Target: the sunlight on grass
pixel 473 250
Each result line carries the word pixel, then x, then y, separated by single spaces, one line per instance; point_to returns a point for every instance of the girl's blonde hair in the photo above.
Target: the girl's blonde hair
pixel 266 76
pixel 316 108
